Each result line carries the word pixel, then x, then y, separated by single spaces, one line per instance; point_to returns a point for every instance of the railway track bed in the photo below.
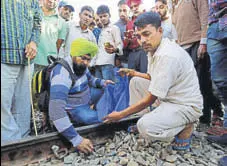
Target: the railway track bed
pixel 113 146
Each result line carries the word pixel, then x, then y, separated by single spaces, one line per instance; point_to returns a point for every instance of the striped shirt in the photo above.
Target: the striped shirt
pixel 64 98
pixel 20 24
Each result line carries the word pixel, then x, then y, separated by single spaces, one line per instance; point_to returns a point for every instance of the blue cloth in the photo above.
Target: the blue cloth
pixel 96 32
pixel 115 97
pixel 105 72
pixel 218 55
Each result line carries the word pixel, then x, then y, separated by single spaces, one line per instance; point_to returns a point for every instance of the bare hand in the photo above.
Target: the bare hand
pixel 31 50
pixel 113 117
pixel 108 82
pixel 85 146
pixel 126 71
pixel 201 51
pixel 110 49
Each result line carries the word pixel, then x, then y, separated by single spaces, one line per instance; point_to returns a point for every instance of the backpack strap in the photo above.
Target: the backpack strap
pixel 68 68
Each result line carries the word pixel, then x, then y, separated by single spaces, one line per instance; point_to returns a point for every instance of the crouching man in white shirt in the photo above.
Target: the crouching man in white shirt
pixel 172 79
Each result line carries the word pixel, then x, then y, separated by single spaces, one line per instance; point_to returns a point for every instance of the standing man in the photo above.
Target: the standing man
pixel 137 58
pixel 80 29
pixel 169 29
pixel 217 49
pixel 172 79
pixel 190 18
pixel 97 29
pixel 123 11
pixel 65 10
pixel 109 44
pixel 20 26
pixel 53 33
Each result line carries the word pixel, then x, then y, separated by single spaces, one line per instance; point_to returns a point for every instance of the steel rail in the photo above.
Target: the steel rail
pixel 34 149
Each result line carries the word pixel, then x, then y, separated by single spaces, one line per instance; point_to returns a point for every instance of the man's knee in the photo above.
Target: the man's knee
pixel 134 82
pixel 143 126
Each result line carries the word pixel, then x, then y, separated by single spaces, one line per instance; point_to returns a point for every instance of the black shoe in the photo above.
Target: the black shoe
pixel 218 139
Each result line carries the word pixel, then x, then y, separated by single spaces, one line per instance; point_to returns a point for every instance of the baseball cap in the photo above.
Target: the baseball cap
pixel 65 4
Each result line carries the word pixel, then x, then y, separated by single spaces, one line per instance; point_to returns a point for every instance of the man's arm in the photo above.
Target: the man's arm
pixel 117 40
pixel 31 47
pixel 133 73
pixel 139 106
pixel 59 43
pixel 62 33
pixel 203 11
pixel 60 86
pixel 36 30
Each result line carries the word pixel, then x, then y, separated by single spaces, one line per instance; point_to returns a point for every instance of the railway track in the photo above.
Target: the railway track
pixel 42 147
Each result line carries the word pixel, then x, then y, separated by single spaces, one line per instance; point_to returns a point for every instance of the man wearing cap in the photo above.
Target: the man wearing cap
pixel 109 44
pixel 172 79
pixel 65 10
pixel 74 102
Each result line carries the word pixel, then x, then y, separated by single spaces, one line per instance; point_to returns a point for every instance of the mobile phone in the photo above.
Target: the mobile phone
pixel 107 44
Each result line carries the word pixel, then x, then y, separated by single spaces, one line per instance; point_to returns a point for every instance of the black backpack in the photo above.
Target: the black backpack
pixel 41 81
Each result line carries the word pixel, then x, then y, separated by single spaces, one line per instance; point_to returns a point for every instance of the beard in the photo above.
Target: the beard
pixel 79 69
pixel 163 16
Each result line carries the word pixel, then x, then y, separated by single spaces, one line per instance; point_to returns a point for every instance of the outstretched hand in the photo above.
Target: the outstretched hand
pixel 108 82
pixel 125 71
pixel 113 117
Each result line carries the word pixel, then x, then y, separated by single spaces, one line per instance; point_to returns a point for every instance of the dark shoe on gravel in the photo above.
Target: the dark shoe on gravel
pixel 218 139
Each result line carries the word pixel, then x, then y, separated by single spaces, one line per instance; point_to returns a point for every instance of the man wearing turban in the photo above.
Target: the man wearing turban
pixel 69 101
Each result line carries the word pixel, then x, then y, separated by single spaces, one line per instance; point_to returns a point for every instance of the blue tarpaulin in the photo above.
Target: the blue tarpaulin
pixel 115 97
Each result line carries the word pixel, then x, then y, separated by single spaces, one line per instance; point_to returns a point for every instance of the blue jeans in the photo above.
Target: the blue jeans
pixel 84 114
pixel 15 102
pixel 105 72
pixel 217 50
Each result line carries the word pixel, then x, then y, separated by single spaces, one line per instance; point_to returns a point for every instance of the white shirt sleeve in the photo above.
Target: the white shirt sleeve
pixel 164 76
pixel 174 32
pixel 117 39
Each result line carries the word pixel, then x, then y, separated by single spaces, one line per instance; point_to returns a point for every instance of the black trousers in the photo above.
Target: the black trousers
pixel 210 101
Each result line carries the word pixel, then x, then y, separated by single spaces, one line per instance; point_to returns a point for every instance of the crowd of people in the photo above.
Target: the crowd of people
pixel 175 57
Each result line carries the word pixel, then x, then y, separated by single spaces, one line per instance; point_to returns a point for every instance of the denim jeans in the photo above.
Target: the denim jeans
pixel 105 72
pixel 217 50
pixel 84 114
pixel 15 102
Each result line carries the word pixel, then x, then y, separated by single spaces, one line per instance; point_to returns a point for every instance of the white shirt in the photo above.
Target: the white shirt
pixel 173 76
pixel 169 29
pixel 110 34
pixel 75 32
